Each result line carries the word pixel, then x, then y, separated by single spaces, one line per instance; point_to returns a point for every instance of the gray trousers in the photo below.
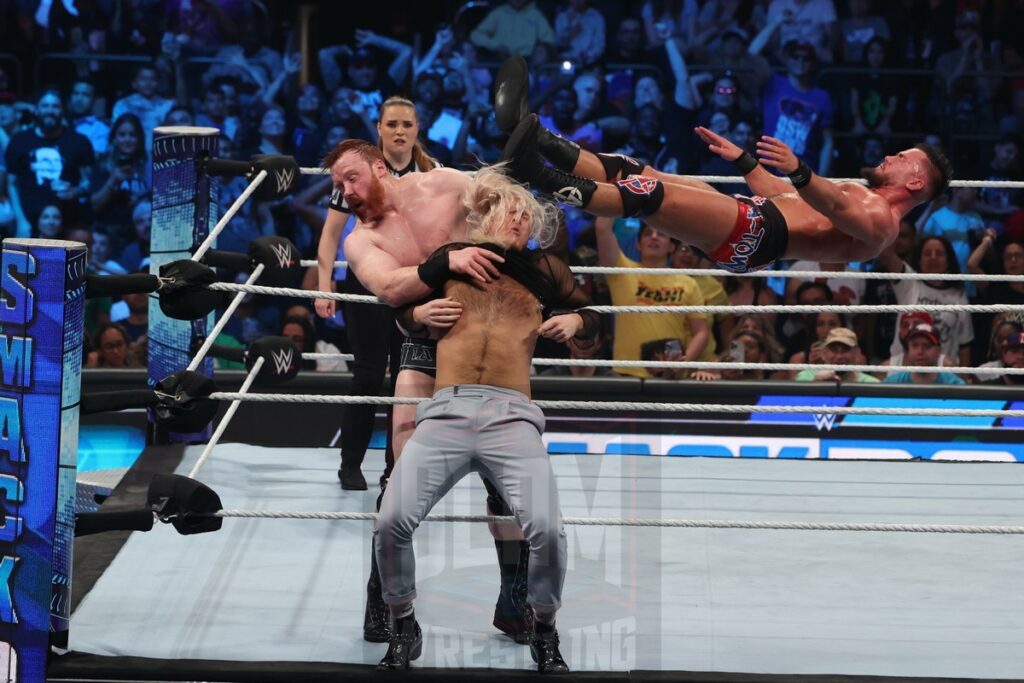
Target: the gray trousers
pixel 491 431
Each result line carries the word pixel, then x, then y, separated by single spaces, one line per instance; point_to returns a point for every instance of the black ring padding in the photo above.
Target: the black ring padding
pixel 87 523
pixel 111 401
pixel 226 167
pixel 232 260
pixel 116 285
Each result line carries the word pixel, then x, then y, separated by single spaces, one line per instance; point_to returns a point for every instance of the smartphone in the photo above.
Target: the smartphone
pixel 737 352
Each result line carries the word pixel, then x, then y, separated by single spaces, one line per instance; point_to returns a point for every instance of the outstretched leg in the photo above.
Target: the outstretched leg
pixel 690 214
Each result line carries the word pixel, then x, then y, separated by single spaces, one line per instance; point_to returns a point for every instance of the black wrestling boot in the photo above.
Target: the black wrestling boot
pixel 352 478
pixel 405 645
pixel 526 165
pixel 562 153
pixel 511 88
pixel 544 650
pixel 377 617
pixel 512 615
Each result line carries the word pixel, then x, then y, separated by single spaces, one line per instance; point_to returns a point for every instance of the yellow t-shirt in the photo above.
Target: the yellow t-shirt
pixel 714 295
pixel 633 330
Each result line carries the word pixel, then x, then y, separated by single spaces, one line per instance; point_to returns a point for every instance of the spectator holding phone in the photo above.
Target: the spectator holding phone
pixel 838 348
pixel 121 178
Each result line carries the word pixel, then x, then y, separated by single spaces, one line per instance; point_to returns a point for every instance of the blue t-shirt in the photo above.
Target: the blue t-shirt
pixel 797 118
pixel 904 378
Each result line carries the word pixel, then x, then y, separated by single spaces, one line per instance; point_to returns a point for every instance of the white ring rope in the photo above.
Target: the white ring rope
pixel 719 365
pixel 640 522
pixel 798 274
pixel 633 406
pixel 738 310
pixel 735 180
pixel 226 420
pixel 228 215
pixel 211 338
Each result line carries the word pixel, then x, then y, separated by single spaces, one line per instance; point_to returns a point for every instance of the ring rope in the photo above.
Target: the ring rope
pixel 735 180
pixel 638 406
pixel 229 214
pixel 798 274
pixel 224 421
pixel 640 522
pixel 211 338
pixel 738 310
pixel 718 365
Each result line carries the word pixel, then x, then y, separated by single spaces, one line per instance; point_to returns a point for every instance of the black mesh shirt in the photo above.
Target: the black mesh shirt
pixel 547 277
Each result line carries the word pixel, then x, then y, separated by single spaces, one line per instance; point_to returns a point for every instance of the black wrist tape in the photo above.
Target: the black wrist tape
pixel 745 163
pixel 801 176
pixel 434 272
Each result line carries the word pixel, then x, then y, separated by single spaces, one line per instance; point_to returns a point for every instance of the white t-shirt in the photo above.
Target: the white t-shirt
pixel 955 329
pixel 845 291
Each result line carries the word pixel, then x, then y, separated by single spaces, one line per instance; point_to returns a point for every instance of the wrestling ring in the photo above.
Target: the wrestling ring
pixel 681 568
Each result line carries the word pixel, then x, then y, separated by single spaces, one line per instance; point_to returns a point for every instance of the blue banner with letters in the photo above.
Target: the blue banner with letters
pixel 41 310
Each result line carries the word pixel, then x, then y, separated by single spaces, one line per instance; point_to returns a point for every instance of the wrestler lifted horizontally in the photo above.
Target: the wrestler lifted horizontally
pixel 812 218
pixel 481 418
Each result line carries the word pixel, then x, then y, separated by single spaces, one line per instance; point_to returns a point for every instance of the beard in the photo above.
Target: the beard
pixel 873 176
pixel 370 208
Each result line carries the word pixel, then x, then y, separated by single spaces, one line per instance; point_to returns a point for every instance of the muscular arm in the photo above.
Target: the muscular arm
pixel 852 210
pixel 381 273
pixel 765 183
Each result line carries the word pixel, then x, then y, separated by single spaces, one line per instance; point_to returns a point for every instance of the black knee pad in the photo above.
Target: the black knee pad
pixel 641 196
pixel 495 502
pixel 616 164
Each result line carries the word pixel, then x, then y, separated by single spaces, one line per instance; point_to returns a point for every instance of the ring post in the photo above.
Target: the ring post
pixel 184 209
pixel 41 313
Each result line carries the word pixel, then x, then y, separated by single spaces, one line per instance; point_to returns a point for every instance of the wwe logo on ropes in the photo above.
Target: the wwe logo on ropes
pixel 284 177
pixel 824 422
pixel 282 361
pixel 283 252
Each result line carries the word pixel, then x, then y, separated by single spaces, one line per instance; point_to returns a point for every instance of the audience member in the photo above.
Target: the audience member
pixel 859 30
pixel 1003 328
pixel 145 102
pixel 874 94
pixel 579 30
pixel 516 27
pixel 672 337
pixel 132 313
pixel 1011 356
pixel 838 348
pixel 934 255
pixel 121 178
pixel 922 348
pixel 809 22
pixel 48 164
pixel 956 222
pixel 112 348
pixel 798 112
pixel 82 110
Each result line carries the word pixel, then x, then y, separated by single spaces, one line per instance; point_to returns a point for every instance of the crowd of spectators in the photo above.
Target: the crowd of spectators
pixel 843 82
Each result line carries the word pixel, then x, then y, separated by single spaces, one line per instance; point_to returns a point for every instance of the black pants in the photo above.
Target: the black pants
pixel 376 344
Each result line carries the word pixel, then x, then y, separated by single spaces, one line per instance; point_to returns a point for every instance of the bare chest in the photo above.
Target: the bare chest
pixel 416 229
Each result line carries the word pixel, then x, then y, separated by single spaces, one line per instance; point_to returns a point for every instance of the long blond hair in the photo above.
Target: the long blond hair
pixel 490 198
